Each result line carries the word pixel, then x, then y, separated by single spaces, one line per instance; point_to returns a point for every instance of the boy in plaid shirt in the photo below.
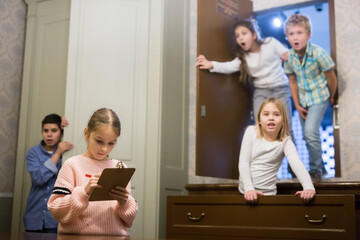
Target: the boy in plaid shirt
pixel 313 85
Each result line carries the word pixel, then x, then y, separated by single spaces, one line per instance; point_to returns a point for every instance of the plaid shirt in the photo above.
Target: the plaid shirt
pixel 311 80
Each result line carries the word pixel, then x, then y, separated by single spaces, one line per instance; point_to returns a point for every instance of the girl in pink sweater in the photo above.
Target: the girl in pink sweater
pixel 69 203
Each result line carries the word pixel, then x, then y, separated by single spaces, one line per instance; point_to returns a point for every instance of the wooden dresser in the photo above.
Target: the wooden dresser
pixel 218 211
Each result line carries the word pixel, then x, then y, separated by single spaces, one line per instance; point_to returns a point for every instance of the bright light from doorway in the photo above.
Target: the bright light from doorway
pixel 277 22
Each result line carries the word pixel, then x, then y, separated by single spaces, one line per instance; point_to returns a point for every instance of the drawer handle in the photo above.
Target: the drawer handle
pixel 322 220
pixel 195 219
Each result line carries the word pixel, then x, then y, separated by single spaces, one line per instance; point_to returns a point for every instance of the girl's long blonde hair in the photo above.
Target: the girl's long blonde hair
pixel 284 130
pixel 250 24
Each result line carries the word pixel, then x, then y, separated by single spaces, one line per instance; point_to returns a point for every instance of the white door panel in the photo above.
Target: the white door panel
pixel 106 68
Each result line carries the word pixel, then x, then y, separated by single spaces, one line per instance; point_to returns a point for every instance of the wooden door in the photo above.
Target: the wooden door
pixel 223 105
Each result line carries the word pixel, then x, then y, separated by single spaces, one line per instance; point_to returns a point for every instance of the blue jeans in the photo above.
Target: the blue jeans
pixel 310 127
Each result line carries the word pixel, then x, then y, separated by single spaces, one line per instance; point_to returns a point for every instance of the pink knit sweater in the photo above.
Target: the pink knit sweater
pixel 70 206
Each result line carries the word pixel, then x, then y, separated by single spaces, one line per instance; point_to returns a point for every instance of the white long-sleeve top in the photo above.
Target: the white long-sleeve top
pixel 70 206
pixel 260 161
pixel 265 66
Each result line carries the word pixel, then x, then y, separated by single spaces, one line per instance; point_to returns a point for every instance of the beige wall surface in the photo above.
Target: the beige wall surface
pixel 347 27
pixel 347 23
pixel 12 34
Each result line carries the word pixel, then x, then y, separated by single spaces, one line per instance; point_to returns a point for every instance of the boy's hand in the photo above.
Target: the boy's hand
pixel 332 101
pixel 302 112
pixel 92 184
pixel 306 195
pixel 251 196
pixel 120 194
pixel 64 146
pixel 64 122
pixel 203 63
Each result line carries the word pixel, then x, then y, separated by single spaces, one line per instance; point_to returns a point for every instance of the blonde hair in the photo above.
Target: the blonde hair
pixel 284 130
pixel 104 116
pixel 298 19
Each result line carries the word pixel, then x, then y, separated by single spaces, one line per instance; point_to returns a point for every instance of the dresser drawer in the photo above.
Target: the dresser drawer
pixel 278 217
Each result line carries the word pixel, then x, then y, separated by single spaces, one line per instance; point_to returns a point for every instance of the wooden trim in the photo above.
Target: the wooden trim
pixel 283 187
pixel 336 132
pixel 332 30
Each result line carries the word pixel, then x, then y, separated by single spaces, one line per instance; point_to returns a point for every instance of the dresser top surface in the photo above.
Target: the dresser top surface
pixel 283 187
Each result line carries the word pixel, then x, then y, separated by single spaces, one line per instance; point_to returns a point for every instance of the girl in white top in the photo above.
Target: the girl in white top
pixel 256 59
pixel 262 151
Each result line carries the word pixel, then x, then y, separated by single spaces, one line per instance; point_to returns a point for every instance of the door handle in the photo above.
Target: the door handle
pixel 203 111
pixel 322 220
pixel 195 219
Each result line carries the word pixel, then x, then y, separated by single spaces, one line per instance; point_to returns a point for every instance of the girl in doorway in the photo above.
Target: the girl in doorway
pixel 262 151
pixel 258 60
pixel 69 203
